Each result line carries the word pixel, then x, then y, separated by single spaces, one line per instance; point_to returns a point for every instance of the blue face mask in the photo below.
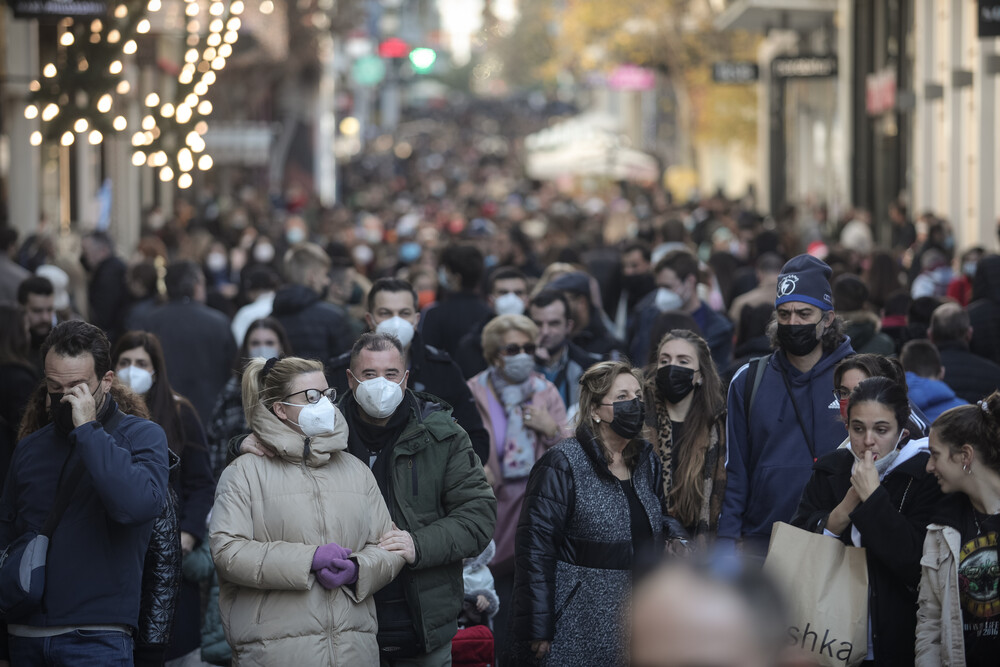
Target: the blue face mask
pixel 266 351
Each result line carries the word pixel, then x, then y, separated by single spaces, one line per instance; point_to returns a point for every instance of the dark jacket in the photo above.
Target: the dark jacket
pixel 95 558
pixel 432 371
pixel 865 333
pixel 316 328
pixel 566 376
pixel 575 555
pixel 596 338
pixel 199 349
pixel 769 463
pixel 971 377
pixel 438 493
pixel 18 384
pixel 758 346
pixel 229 421
pixel 444 323
pixel 984 311
pixel 161 580
pixel 469 353
pixel 108 296
pixel 892 523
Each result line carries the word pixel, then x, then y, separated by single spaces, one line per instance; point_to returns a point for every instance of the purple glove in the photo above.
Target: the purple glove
pixel 339 573
pixel 328 553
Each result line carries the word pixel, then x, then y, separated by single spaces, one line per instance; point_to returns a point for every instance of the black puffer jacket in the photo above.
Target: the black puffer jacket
pixel 984 311
pixel 161 581
pixel 316 329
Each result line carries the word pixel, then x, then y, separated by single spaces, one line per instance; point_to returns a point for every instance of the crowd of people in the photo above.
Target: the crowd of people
pixel 463 401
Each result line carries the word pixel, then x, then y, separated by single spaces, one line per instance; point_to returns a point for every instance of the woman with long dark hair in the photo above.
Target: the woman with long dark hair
pixel 265 338
pixel 19 379
pixel 139 364
pixel 689 418
pixel 878 495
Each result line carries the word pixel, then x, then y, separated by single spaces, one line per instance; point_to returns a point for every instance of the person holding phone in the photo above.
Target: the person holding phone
pixel 877 494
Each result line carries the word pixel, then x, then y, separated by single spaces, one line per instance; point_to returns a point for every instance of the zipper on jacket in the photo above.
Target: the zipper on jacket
pixel 569 598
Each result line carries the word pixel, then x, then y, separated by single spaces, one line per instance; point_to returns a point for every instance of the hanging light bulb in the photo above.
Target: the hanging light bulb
pixel 67 39
pixel 121 11
pixel 193 26
pixel 230 38
pixel 143 27
pixel 233 24
pixel 205 108
pixel 191 10
pixel 95 38
pixel 114 36
pixel 49 112
pixel 214 39
pixel 96 25
pixel 95 137
pixel 81 125
pixel 183 114
pixel 153 6
pixel 167 110
pixel 236 7
pixel 208 78
pixel 31 112
pixel 166 174
pixel 185 77
pixel 216 9
pixel 218 63
pixel 129 47
pixel 35 86
pixel 49 71
pixel 191 100
pixel 225 51
pixel 160 158
pixel 138 139
pixel 152 100
pixel 104 104
pixel 36 138
pixel 205 162
pixel 67 139
pixel 83 65
pixel 185 160
pixel 201 128
pixel 215 25
pixel 266 7
pixel 191 56
pixel 210 53
pixel 184 181
pixel 123 87
pixel 200 88
pixel 119 123
pixel 138 158
pixel 115 67
pixel 148 122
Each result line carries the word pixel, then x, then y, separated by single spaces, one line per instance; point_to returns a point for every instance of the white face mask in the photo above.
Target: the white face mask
pixel 137 379
pixel 379 397
pixel 508 304
pixel 317 418
pixel 518 367
pixel 667 299
pixel 216 261
pixel 266 351
pixel 263 252
pixel 398 327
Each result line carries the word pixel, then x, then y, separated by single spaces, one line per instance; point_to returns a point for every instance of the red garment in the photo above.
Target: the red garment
pixel 472 647
pixel 960 289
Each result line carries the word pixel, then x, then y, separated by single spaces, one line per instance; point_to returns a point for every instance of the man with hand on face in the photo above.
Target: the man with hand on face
pixel 561 361
pixel 441 506
pixel 392 309
pixel 508 295
pixel 792 417
pixel 94 565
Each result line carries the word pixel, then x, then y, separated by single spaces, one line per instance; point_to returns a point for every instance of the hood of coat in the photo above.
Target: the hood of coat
pixel 293 298
pixel 295 447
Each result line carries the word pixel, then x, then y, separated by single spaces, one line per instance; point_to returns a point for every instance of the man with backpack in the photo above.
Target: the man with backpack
pixel 782 414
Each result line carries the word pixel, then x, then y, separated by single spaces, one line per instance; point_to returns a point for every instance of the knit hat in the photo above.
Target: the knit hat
pixel 807 279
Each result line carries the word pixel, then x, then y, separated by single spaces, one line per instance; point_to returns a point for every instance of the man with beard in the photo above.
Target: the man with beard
pixel 561 361
pixel 37 298
pixel 782 416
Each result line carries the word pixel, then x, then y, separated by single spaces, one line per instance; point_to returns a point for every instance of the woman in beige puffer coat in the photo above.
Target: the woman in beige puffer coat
pixel 272 515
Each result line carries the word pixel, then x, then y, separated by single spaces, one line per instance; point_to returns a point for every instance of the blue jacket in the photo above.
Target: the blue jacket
pixel 716 329
pixel 96 554
pixel 932 396
pixel 766 472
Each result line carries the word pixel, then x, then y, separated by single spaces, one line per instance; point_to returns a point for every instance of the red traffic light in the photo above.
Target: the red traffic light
pixel 394 47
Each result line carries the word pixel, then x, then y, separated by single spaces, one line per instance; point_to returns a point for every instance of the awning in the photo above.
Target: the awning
pixel 582 147
pixel 763 15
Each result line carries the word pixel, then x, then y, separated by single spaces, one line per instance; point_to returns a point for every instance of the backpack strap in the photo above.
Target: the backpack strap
pixel 754 376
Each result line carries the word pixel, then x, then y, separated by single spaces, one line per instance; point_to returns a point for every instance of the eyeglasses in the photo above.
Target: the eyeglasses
pixel 842 394
pixel 514 348
pixel 313 395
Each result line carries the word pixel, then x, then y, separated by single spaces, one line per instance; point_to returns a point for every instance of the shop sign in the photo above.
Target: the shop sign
pixel 30 9
pixel 735 72
pixel 880 91
pixel 804 67
pixel 631 77
pixel 989 18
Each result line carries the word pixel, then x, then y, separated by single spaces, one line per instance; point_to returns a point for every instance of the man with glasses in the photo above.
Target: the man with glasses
pixel 434 485
pixel 90 608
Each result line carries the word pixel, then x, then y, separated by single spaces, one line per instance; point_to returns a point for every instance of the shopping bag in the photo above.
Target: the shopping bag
pixel 825 584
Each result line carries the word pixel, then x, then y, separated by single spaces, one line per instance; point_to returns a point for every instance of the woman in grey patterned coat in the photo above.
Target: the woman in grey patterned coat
pixel 592 514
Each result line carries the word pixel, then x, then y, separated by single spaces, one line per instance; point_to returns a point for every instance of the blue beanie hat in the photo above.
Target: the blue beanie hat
pixel 806 279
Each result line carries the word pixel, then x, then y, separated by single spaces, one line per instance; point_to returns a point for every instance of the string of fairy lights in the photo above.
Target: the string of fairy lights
pixel 84 92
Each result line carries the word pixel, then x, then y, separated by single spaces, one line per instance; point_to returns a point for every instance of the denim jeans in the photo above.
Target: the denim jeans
pixel 80 648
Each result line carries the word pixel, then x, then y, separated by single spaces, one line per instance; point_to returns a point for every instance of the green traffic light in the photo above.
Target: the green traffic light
pixel 422 58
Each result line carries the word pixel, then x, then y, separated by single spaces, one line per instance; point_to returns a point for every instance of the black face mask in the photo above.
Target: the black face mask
pixel 629 417
pixel 797 339
pixel 674 382
pixel 61 414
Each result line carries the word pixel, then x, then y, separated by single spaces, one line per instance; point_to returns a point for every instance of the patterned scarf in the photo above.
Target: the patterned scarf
pixel 518 452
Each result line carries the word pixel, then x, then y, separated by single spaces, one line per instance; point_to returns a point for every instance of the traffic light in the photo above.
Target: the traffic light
pixel 422 59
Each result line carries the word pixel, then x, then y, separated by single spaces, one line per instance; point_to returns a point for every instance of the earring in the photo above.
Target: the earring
pixel 597 420
pixel 967 469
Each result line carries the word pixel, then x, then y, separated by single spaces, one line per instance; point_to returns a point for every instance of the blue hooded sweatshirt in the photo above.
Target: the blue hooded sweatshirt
pixel 768 466
pixel 932 396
